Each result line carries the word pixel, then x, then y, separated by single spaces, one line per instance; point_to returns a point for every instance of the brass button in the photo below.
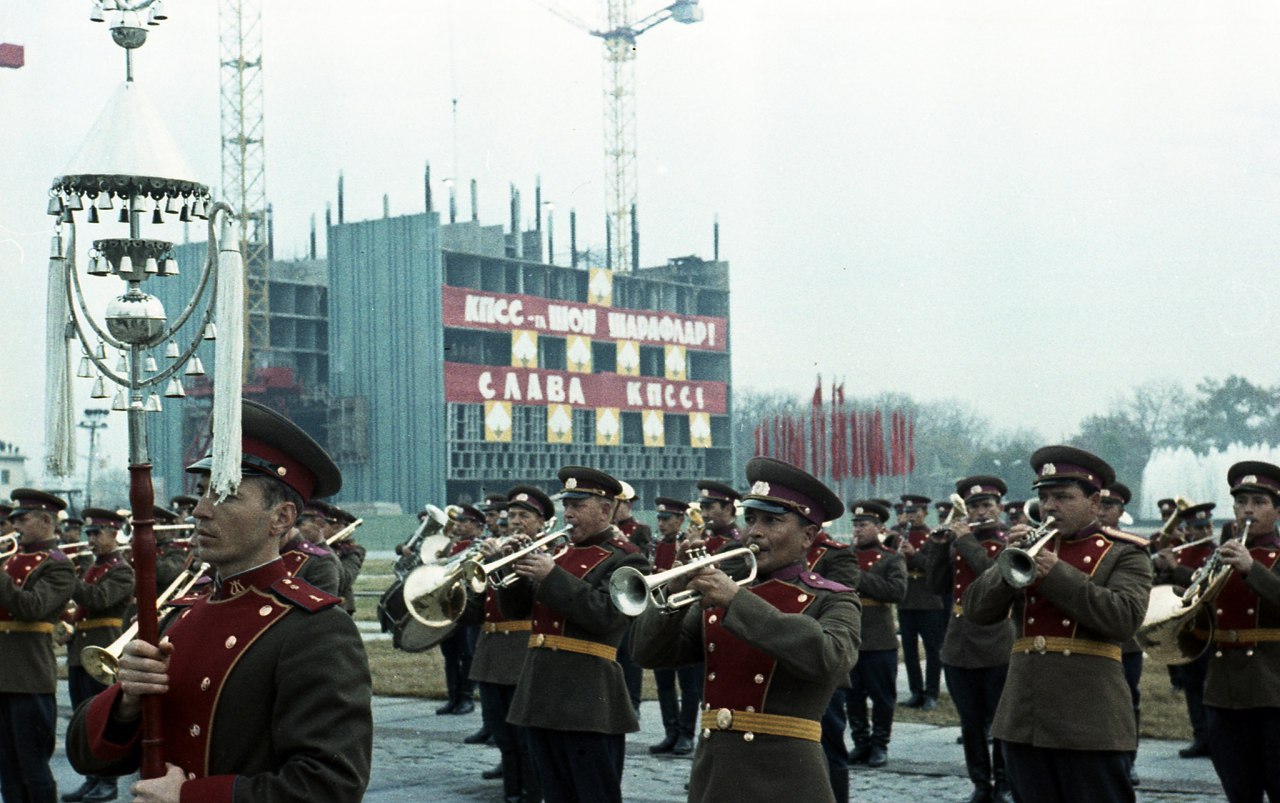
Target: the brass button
pixel 1032 599
pixel 711 646
pixel 195 731
pixel 205 684
pixel 748 737
pixel 1248 653
pixel 751 708
pixel 1039 644
pixel 706 733
pixel 1100 542
pixel 1088 559
pixel 712 618
pixel 711 676
pixel 191 776
pixel 230 642
pixel 724 719
pixel 1066 623
pixel 1031 620
pixel 265 610
pixel 802 598
pixel 1249 612
pixel 759 679
pixel 539 640
pixel 1218 654
pixel 1219 611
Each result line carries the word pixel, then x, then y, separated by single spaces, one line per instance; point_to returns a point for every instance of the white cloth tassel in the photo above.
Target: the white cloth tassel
pixel 60 442
pixel 228 361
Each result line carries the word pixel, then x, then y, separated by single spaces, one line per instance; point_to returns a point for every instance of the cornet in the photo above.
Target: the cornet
pixel 1017 564
pixel 495 571
pixel 631 590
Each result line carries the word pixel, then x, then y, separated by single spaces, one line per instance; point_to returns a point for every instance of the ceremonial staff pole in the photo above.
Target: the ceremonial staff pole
pixel 130 163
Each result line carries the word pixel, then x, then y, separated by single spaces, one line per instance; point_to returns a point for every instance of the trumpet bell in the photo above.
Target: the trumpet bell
pixel 436 595
pixel 1017 566
pixel 629 590
pixel 100 664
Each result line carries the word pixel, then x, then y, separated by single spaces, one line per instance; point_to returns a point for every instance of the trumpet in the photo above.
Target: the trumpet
pixel 496 573
pixel 344 533
pixel 103 663
pixel 632 591
pixel 959 510
pixel 8 545
pixel 75 549
pixel 1017 564
pixel 1206 540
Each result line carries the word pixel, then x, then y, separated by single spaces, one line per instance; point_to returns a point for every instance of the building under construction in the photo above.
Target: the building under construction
pixel 439 361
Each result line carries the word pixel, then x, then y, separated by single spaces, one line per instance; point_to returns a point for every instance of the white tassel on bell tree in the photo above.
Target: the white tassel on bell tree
pixel 228 360
pixel 60 459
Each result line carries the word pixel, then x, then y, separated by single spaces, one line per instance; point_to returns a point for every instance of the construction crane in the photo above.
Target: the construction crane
pixel 244 163
pixel 619 38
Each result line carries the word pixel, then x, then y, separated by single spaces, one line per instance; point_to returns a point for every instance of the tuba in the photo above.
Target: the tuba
pixel 1179 627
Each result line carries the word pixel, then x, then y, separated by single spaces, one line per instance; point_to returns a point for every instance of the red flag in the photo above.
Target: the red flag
pixel 877 444
pixel 855 446
pixel 911 443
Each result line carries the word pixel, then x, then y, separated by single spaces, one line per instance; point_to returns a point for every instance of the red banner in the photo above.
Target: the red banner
pixel 475 384
pixel 474 309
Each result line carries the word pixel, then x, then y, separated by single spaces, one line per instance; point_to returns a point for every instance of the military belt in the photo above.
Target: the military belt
pixel 550 641
pixel 90 624
pixel 506 627
pixel 749 723
pixel 1066 646
pixel 1239 636
pixel 26 627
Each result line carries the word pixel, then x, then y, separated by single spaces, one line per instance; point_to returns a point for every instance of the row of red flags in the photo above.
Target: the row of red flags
pixel 835 443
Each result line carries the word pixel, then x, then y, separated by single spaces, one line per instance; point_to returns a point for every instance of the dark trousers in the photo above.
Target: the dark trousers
pixel 1132 664
pixel 1244 744
pixel 928 627
pixel 874 677
pixel 679 717
pixel 578 766
pixel 833 745
pixel 1045 775
pixel 457 651
pixel 519 781
pixel 976 693
pixel 1191 677
pixel 632 674
pixel 26 744
pixel 82 686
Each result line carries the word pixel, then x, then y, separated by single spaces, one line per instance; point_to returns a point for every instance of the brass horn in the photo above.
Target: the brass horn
pixel 1017 564
pixel 496 573
pixel 103 663
pixel 631 590
pixel 8 545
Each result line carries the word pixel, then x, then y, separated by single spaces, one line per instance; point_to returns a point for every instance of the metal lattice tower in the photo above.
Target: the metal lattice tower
pixel 620 129
pixel 244 161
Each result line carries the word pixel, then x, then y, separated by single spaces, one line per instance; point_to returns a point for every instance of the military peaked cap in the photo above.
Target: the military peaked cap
pixel 778 487
pixel 1060 465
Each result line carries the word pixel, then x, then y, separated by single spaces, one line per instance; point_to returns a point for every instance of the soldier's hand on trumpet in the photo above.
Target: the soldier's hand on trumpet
pixel 535 566
pixel 1236 555
pixel 1045 561
pixel 717 588
pixel 143 670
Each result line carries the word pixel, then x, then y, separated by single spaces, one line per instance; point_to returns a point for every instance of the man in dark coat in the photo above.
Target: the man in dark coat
pixel 571 694
pixel 265 683
pixel 1065 717
pixel 35 586
pixel 103 597
pixel 774 651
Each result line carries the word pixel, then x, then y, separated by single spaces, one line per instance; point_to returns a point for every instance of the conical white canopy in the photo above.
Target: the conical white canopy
pixel 130 138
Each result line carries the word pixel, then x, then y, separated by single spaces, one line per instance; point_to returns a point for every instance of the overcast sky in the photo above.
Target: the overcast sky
pixel 1027 206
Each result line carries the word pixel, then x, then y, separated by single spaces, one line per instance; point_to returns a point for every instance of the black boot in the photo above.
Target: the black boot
pixel 861 752
pixel 479 737
pixel 981 794
pixel 448 708
pixel 665 746
pixel 77 795
pixel 104 791
pixel 684 746
pixel 879 756
pixel 914 701
pixel 465 706
pixel 493 774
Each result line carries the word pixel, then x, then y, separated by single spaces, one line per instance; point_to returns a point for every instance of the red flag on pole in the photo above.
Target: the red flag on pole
pixel 911 443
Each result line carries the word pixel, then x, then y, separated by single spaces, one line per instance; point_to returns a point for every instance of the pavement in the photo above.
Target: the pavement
pixel 419 756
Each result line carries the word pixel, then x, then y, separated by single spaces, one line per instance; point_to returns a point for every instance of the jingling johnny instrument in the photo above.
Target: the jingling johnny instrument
pixel 1179 627
pixel 632 591
pixel 1017 562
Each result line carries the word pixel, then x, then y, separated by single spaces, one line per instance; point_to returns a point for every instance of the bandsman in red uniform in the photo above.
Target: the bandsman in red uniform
pixel 501 650
pixel 1114 499
pixel 943 509
pixel 571 694
pixel 774 651
pixel 638 534
pixel 183 504
pixel 838 562
pixel 1066 718
pixel 35 586
pixel 6 524
pixel 921 617
pixel 172 554
pixel 679 714
pixel 975 657
pixel 71 531
pixel 1015 513
pixel 881 583
pixel 265 684
pixel 494 507
pixel 312 562
pixel 1169 507
pixel 351 554
pixel 103 597
pixel 1242 686
pixel 719 514
pixel 1175 566
pixel 458 649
